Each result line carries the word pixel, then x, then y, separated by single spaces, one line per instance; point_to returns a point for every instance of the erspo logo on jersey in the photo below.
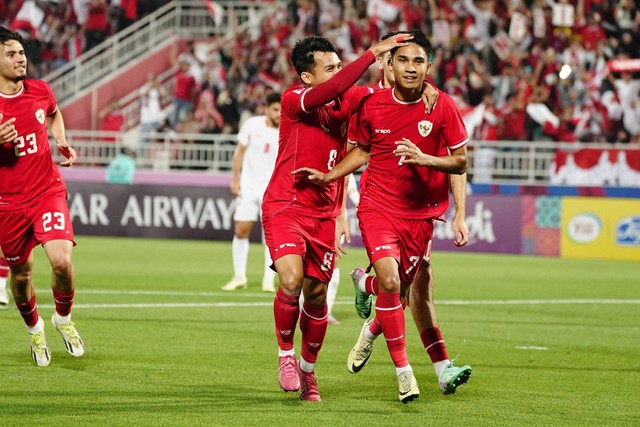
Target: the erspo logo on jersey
pixel 382 130
pixel 628 231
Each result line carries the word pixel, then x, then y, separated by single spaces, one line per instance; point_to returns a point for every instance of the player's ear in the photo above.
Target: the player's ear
pixel 306 77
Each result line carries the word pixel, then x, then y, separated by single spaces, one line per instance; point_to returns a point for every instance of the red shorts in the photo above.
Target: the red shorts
pixel 311 238
pixel 405 240
pixel 45 220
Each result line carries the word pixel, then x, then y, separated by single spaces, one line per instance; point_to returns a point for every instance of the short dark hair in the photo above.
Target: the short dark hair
pixel 393 33
pixel 302 54
pixel 6 35
pixel 272 98
pixel 419 38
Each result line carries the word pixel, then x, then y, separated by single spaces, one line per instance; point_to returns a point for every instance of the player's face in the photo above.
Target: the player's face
pixel 327 64
pixel 273 114
pixel 410 66
pixel 13 61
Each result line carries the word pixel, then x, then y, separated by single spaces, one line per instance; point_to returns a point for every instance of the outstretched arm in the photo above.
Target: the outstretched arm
pixel 349 75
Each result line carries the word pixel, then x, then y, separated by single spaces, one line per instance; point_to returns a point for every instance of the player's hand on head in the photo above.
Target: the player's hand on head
pixel 313 175
pixel 392 42
pixel 68 152
pixel 8 131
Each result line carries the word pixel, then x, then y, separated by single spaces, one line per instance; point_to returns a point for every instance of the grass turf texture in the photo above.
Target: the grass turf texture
pixel 216 364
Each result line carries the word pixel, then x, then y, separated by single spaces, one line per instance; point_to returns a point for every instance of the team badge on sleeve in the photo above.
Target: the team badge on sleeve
pixel 424 127
pixel 40 116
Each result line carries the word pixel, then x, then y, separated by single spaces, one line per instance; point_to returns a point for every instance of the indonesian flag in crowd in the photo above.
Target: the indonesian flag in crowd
pixel 596 167
pixel 216 10
pixel 383 10
pixel 28 18
pixel 624 65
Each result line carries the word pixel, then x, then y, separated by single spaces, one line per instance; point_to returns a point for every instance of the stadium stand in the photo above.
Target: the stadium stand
pixel 530 77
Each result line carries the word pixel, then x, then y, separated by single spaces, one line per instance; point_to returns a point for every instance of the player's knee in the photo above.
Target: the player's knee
pixel 61 266
pixel 389 282
pixel 290 281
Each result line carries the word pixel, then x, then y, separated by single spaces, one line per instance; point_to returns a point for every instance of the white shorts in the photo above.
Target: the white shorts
pixel 248 207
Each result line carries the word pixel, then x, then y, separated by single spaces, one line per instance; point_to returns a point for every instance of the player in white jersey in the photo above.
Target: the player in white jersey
pixel 253 163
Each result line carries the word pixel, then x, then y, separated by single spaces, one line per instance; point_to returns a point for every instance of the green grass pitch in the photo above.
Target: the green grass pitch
pixel 551 342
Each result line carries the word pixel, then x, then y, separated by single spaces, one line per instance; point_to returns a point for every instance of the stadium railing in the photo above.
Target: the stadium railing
pixel 187 18
pixel 494 162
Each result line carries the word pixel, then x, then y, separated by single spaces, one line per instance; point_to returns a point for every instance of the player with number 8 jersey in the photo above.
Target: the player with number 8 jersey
pixel 33 207
pixel 299 217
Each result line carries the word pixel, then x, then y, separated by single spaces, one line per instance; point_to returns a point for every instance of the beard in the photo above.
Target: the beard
pixel 19 78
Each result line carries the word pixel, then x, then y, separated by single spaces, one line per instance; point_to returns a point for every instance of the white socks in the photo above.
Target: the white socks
pixel 240 252
pixel 332 289
pixel 306 366
pixel 441 366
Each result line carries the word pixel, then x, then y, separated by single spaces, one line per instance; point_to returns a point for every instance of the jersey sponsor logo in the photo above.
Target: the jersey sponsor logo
pixel 383 247
pixel 628 231
pixel 424 127
pixel 287 245
pixel 382 130
pixel 40 116
pixel 12 258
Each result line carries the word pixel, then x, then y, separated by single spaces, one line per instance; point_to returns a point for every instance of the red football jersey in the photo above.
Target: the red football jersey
pixel 406 190
pixel 26 167
pixel 314 139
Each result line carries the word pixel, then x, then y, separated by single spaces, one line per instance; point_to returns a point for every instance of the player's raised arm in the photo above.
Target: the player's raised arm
pixel 327 64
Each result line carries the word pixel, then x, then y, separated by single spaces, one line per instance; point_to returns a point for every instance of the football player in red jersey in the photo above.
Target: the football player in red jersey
pixel 405 186
pixel 299 217
pixel 421 293
pixel 33 207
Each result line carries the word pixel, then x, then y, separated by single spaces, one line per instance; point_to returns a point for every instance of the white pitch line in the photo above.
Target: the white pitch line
pixel 531 347
pixel 349 301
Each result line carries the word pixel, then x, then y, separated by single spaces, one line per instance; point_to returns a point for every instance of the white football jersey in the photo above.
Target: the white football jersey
pixel 260 156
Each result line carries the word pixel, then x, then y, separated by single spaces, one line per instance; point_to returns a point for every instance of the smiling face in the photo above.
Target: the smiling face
pixel 410 65
pixel 326 65
pixel 13 61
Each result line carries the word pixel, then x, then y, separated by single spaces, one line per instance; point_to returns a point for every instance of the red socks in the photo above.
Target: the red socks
pixel 63 302
pixel 434 344
pixel 390 315
pixel 286 311
pixel 29 312
pixel 371 285
pixel 313 324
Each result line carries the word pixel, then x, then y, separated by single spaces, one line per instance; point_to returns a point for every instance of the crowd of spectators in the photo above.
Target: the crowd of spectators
pixel 519 69
pixel 58 31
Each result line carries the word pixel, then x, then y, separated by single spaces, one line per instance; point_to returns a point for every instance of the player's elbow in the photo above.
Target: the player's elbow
pixel 461 166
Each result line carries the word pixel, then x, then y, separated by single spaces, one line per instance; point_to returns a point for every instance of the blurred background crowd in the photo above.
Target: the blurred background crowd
pixel 519 69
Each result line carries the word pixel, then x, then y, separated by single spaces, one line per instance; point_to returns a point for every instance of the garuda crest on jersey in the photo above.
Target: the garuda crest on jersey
pixel 424 127
pixel 40 116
